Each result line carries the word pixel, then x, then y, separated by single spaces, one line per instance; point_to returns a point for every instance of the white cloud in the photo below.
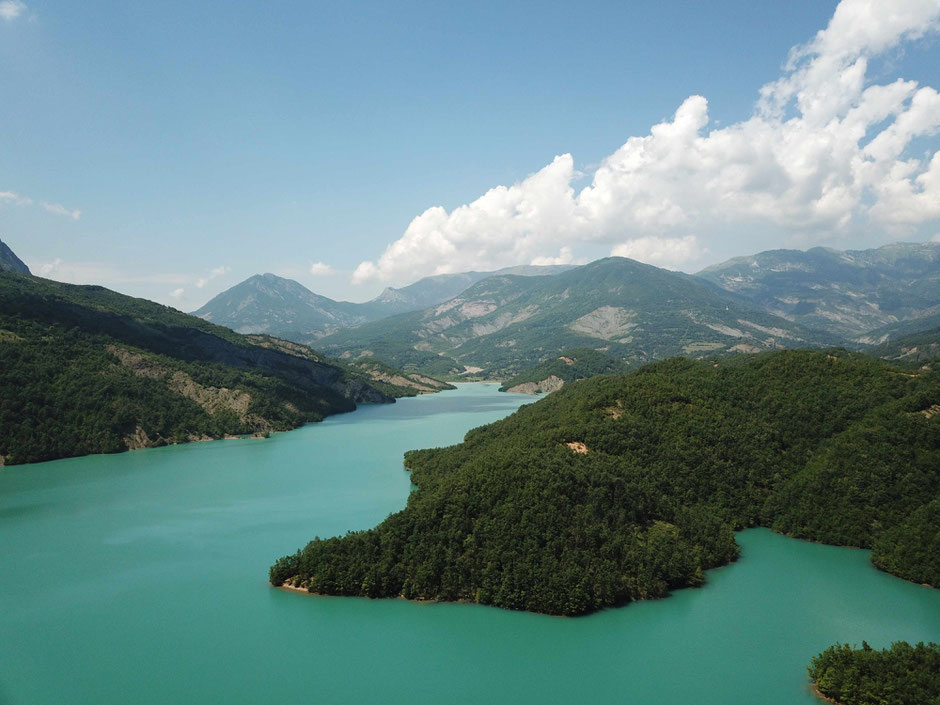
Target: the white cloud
pixel 565 256
pixel 59 209
pixel 11 9
pixel 177 294
pixel 213 274
pixel 668 252
pixel 56 208
pixel 320 269
pixel 824 153
pixel 15 198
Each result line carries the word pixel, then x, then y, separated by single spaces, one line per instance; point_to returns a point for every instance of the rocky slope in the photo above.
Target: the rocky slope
pixel 631 311
pixel 570 366
pixel 266 303
pixel 849 294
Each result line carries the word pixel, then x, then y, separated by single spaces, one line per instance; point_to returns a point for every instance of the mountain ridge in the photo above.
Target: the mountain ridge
pixel 630 310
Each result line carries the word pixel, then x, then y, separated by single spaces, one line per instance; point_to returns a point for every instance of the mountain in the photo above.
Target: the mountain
pixel 9 262
pixel 266 303
pixel 87 370
pixel 570 366
pixel 847 293
pixel 631 311
pixel 625 487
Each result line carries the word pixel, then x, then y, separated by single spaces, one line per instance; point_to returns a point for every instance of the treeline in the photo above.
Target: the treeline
pixel 624 487
pixel 901 675
pixel 67 387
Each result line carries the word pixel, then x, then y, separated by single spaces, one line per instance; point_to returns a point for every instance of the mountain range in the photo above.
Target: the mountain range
pixel 849 294
pixel 267 303
pixel 632 311
pixel 499 323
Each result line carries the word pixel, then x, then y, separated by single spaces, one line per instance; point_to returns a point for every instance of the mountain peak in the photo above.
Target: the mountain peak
pixel 9 262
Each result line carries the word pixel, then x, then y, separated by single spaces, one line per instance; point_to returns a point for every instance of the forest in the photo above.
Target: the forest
pixel 624 487
pixel 86 370
pixel 901 675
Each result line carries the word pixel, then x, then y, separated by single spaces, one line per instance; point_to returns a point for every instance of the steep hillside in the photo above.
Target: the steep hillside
pixel 845 293
pixel 624 487
pixel 917 348
pixel 9 262
pixel 570 366
pixel 631 311
pixel 385 378
pixel 86 370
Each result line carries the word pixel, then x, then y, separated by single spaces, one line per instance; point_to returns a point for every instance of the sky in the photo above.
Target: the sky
pixel 172 149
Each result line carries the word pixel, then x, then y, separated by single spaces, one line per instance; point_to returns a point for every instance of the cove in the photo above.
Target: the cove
pixel 142 578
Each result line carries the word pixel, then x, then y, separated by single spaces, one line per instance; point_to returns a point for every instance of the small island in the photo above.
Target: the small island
pixel 901 675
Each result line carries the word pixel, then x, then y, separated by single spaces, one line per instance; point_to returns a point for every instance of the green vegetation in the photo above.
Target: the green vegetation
pixel 901 675
pixel 570 366
pixel 624 487
pixel 919 348
pixel 911 549
pixel 86 370
pixel 858 294
pixel 635 312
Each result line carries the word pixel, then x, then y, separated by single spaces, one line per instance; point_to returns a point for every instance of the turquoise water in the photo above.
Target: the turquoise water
pixel 141 578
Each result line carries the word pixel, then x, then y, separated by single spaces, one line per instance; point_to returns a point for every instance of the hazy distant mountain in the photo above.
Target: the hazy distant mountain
pixel 847 293
pixel 441 287
pixel 630 310
pixel 9 262
pixel 266 303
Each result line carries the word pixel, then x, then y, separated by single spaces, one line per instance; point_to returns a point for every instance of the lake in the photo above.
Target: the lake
pixel 142 578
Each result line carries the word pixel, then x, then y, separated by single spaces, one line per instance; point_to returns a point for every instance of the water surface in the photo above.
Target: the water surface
pixel 141 578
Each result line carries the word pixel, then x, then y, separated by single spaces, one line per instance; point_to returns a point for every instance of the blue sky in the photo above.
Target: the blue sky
pixel 172 149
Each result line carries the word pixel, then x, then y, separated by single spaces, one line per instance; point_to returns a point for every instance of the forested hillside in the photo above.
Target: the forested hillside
pixel 86 370
pixel 570 366
pixel 624 487
pixel 901 675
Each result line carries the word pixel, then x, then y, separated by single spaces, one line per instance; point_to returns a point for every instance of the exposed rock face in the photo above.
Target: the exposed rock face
pixel 138 439
pixel 606 323
pixel 211 399
pixel 546 386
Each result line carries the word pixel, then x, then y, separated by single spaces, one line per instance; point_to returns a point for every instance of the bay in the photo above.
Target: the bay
pixel 141 578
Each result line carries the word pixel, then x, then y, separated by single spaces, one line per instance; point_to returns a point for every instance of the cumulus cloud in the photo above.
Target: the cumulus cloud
pixel 11 9
pixel 824 152
pixel 669 252
pixel 213 274
pixel 565 256
pixel 177 294
pixel 320 269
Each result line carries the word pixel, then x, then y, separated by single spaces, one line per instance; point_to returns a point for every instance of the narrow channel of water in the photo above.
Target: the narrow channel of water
pixel 141 578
